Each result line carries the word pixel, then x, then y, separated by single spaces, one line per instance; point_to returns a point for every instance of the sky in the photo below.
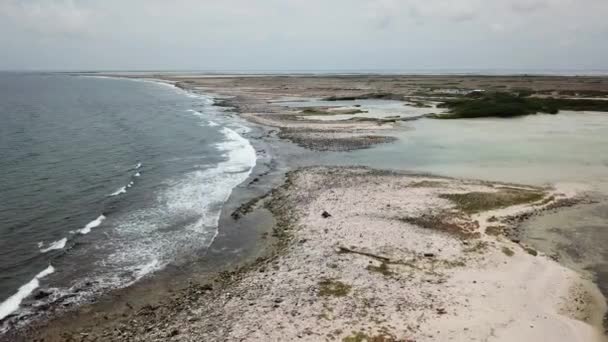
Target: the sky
pixel 303 34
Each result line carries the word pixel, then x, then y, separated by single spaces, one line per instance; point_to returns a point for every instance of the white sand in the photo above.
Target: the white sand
pixel 471 290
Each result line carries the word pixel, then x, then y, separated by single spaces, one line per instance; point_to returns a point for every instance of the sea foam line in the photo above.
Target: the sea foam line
pixel 123 190
pixel 120 191
pixel 13 302
pixel 59 244
pixel 93 224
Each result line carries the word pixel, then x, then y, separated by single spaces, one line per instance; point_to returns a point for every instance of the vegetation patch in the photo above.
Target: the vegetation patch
pixel 382 269
pixel 475 202
pixel 363 337
pixel 333 288
pixel 478 247
pixel 508 251
pixel 372 96
pixel 494 104
pixel 496 230
pixel 530 251
pixel 426 184
pixel 320 111
pixel 439 222
pixel 503 104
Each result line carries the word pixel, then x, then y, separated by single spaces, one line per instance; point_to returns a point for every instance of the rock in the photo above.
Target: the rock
pixel 173 333
pixel 531 251
pixel 325 214
pixel 207 287
pixel 441 311
pixel 42 294
pixel 429 255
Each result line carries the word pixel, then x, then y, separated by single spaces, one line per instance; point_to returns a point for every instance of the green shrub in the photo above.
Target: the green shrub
pixel 501 104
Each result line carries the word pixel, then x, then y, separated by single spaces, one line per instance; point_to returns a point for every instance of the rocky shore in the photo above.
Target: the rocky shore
pixel 369 255
pixel 357 254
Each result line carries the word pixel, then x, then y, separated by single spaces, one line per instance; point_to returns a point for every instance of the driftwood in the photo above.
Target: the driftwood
pixel 374 256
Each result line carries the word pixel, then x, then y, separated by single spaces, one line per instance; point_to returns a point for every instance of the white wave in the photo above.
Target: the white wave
pixel 119 191
pixel 141 271
pixel 195 112
pixel 240 153
pixel 213 124
pixel 93 224
pixel 59 244
pixel 137 174
pixel 185 217
pixel 12 303
pixel 40 244
pixel 130 184
pixel 138 166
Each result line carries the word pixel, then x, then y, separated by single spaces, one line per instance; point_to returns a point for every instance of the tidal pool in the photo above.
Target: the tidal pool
pixel 374 109
pixel 536 149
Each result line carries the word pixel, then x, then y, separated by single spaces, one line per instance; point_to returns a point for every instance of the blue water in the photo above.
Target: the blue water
pixel 104 181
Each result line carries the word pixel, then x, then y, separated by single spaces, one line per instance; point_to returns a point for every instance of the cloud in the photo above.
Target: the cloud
pixel 291 34
pixel 527 6
pixel 47 17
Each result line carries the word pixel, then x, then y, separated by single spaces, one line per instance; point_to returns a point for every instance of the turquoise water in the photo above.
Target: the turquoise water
pixel 537 149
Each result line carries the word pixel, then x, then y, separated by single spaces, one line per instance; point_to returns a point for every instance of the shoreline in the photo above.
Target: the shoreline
pixel 230 251
pixel 314 255
pixel 196 295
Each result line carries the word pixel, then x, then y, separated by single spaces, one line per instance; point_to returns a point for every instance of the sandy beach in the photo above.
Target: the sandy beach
pixel 359 254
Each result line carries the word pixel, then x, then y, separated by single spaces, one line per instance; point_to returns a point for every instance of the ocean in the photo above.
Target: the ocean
pixel 105 181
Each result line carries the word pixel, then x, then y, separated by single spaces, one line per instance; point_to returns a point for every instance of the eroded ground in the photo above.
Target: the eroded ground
pixel 371 255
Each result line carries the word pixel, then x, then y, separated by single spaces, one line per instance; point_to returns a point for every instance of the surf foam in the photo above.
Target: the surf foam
pixel 59 244
pixel 185 218
pixel 13 302
pixel 120 191
pixel 93 224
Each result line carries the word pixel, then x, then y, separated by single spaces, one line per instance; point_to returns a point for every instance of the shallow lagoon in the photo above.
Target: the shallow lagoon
pixel 536 149
pixel 377 109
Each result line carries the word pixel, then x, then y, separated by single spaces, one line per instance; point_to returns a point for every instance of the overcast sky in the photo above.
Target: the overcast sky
pixel 303 34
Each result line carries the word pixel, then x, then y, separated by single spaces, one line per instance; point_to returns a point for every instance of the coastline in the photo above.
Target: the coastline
pixel 281 252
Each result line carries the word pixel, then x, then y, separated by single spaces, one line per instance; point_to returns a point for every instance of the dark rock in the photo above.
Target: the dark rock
pixel 42 294
pixel 429 255
pixel 531 251
pixel 173 333
pixel 325 214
